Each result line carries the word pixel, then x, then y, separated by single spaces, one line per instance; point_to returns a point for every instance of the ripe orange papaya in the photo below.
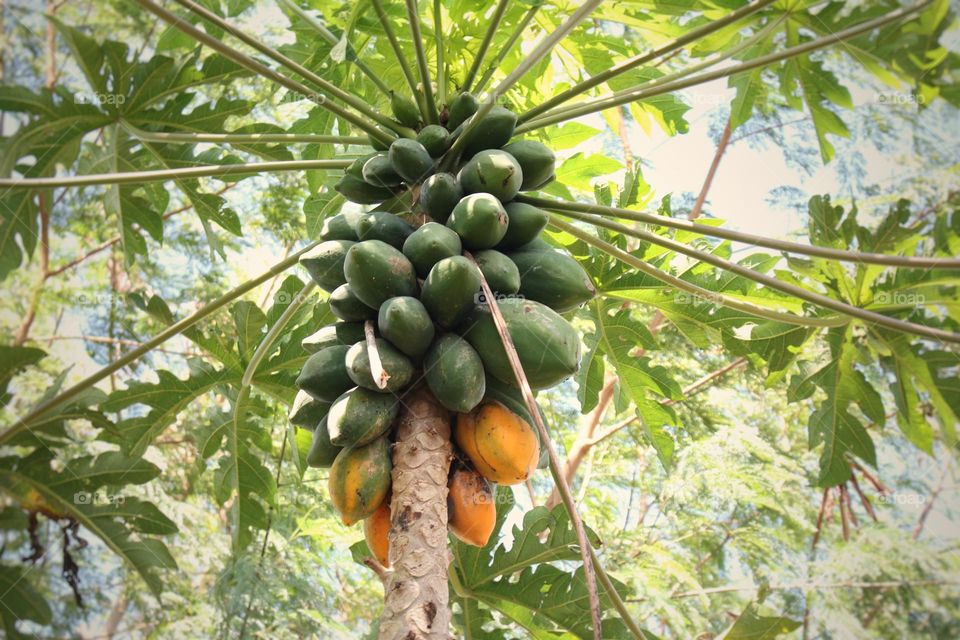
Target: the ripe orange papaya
pixel 471 510
pixel 375 530
pixel 502 446
pixel 360 479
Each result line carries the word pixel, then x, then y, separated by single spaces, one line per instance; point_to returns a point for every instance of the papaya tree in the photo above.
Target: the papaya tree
pixel 461 261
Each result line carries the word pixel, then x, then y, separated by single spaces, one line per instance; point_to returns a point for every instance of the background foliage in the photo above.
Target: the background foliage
pixel 164 504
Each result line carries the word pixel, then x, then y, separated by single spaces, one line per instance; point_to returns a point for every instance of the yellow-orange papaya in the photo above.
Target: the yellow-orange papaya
pixel 471 510
pixel 502 446
pixel 375 530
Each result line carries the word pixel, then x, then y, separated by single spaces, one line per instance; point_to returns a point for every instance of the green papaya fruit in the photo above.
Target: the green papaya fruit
pixel 492 132
pixel 359 480
pixel 535 159
pixel 404 110
pixel 397 366
pixel 435 139
pixel 494 172
pixel 500 271
pixel 376 271
pixel 378 144
pixel 405 322
pixel 346 306
pixel 379 172
pixel 430 244
pixel 345 333
pixel 548 345
pixel 454 373
pixel 356 168
pixel 307 411
pixel 342 226
pixel 544 183
pixel 410 159
pixel 357 190
pixel 324 263
pixel 480 221
pixel 461 108
pixel 553 278
pixel 439 194
pixel 360 416
pixel 322 452
pixel 324 374
pixel 383 226
pixel 526 223
pixel 450 291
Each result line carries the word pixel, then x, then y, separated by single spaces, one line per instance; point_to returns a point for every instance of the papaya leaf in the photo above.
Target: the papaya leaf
pixel 19 601
pixel 752 625
pixel 13 360
pixel 72 493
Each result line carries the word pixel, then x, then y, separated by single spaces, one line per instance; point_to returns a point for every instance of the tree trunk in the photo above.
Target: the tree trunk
pixel 416 599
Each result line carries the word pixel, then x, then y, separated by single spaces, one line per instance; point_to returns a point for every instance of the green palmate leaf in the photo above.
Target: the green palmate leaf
pixel 250 324
pixel 923 379
pixel 753 625
pixel 578 170
pixel 122 523
pixel 13 360
pixel 166 399
pixel 590 375
pixel 808 82
pixel 20 602
pixel 18 229
pixel 318 208
pixel 832 424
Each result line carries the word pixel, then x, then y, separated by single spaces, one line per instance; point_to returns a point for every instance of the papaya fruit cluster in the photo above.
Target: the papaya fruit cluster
pixel 414 283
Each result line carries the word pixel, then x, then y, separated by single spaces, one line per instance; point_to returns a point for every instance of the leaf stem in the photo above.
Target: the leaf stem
pixel 543 48
pixel 507 46
pixel 871 317
pixel 240 138
pixel 688 287
pixel 162 175
pixel 414 15
pixel 639 93
pixel 258 67
pixel 581 212
pixel 401 57
pixel 133 355
pixel 636 61
pixel 344 96
pixel 492 27
pixel 377 372
pixel 441 68
pixel 327 35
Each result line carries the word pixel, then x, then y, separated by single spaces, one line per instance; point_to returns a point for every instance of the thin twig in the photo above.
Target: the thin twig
pixel 863 498
pixel 555 470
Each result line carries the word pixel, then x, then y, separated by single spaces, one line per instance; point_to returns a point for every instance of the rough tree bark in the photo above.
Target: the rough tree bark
pixel 416 598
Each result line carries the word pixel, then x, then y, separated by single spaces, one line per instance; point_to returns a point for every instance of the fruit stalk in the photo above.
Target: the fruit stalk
pixel 416 601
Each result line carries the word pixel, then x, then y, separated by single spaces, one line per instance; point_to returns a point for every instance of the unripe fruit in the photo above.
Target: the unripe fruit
pixel 501 445
pixel 379 172
pixel 471 510
pixel 493 171
pixel 439 194
pixel 479 220
pixel 536 159
pixel 435 139
pixel 404 110
pixel 461 108
pixel 410 159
